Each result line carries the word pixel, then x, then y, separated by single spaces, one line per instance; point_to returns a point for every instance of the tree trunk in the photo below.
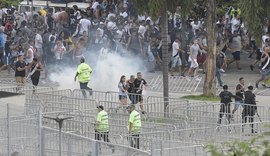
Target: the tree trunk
pixel 165 59
pixel 209 88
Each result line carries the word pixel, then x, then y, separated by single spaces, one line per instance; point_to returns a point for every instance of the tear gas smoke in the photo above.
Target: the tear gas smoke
pixel 106 72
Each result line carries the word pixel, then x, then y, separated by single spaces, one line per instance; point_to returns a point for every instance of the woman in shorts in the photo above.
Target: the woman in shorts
pixel 122 90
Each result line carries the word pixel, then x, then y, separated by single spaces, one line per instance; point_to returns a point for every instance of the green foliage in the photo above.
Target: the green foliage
pixel 8 3
pixel 256 146
pixel 201 98
pixel 156 7
pixel 255 14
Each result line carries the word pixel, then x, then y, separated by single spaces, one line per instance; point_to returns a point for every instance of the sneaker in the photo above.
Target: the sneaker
pixel 222 70
pixel 143 112
pixel 251 67
pixel 257 85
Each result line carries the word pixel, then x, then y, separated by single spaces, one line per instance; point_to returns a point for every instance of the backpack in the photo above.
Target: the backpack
pixel 220 60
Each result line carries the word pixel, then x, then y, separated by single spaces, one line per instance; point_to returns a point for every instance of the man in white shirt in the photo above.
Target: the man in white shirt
pixel 95 5
pixel 142 29
pixel 84 25
pixel 39 43
pixel 235 23
pixel 175 59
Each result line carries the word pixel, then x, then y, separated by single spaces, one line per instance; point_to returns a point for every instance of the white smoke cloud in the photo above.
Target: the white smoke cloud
pixel 106 72
pixel 65 78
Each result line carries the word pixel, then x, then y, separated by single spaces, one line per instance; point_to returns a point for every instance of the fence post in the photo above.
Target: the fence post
pixel 42 147
pixel 40 132
pixel 69 145
pixel 162 148
pixel 8 131
pixel 95 149
pixel 152 148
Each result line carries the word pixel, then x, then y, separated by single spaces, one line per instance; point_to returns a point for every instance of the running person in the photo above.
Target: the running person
pixel 175 58
pixel 194 66
pixel 35 68
pixel 139 82
pixel 84 72
pixel 265 66
pixel 122 90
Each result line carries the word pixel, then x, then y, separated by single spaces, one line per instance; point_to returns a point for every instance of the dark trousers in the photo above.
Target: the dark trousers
pixel 35 80
pixel 84 87
pixel 248 113
pixel 225 109
pixel 134 141
pixel 104 135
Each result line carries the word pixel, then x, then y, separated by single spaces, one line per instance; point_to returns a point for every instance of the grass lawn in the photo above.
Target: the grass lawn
pixel 201 98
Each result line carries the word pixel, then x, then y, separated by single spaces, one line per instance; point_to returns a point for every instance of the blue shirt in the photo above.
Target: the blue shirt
pixel 2 40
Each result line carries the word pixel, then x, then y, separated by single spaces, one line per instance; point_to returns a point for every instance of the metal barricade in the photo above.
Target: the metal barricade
pixel 265 92
pixel 176 84
pixel 73 144
pixel 259 113
pixel 84 104
pixel 154 99
pixel 59 106
pixel 95 95
pixel 19 134
pixel 194 150
pixel 65 92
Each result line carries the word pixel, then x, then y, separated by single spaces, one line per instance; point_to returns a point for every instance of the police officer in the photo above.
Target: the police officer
pixel 134 126
pixel 84 72
pixel 250 107
pixel 225 99
pixel 102 125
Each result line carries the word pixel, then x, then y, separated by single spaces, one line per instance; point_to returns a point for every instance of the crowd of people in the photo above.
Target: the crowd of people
pixel 64 35
pixel 38 40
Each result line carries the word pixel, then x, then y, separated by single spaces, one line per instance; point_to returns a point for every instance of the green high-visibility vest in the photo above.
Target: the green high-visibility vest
pixel 84 72
pixel 103 121
pixel 135 120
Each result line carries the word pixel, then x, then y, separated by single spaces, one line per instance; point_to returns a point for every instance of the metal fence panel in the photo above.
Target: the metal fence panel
pixel 176 84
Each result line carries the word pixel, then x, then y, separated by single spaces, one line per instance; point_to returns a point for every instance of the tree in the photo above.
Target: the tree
pixel 209 88
pixel 256 16
pixel 8 3
pixel 158 8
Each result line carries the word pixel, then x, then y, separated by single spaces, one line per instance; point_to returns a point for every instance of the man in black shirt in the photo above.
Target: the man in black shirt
pixel 250 108
pixel 20 66
pixel 240 88
pixel 225 100
pixel 139 82
pixel 131 89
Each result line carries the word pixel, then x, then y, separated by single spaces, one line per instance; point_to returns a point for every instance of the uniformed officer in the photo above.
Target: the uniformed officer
pixel 134 126
pixel 84 72
pixel 250 107
pixel 102 125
